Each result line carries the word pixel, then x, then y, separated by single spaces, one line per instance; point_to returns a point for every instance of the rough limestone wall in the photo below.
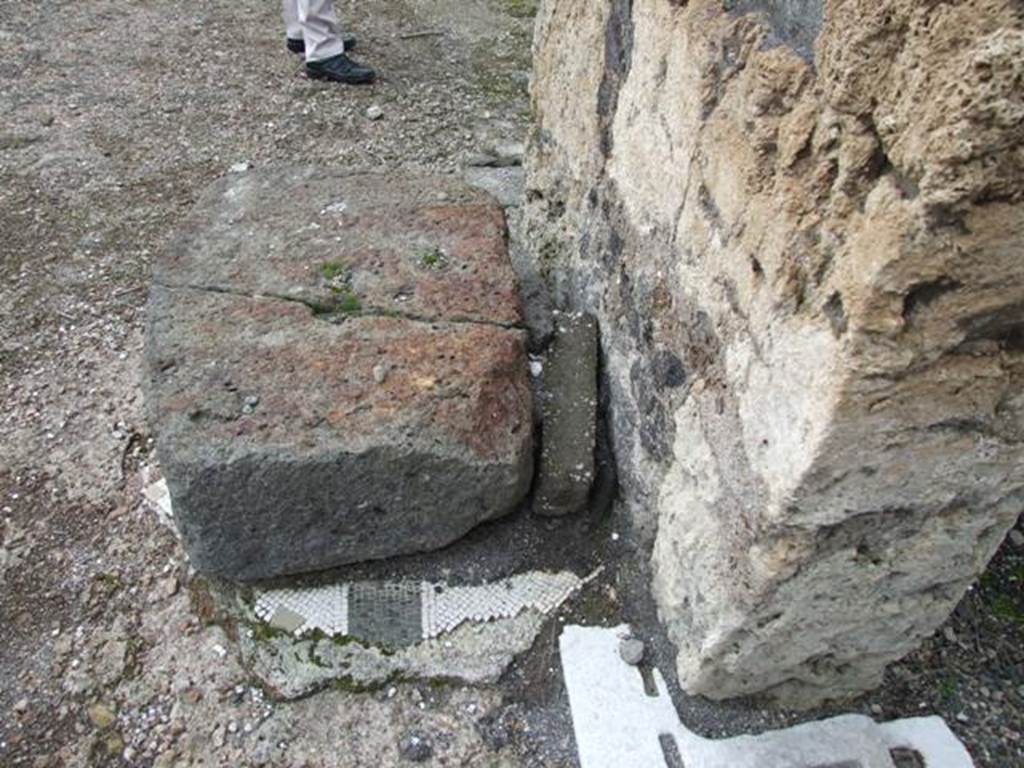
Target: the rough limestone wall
pixel 801 227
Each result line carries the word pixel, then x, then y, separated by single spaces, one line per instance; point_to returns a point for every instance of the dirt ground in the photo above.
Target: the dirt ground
pixel 113 116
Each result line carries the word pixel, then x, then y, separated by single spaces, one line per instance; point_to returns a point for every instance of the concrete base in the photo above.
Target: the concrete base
pixel 619 725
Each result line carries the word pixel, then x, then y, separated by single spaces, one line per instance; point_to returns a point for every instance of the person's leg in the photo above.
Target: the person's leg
pixel 290 13
pixel 324 46
pixel 293 29
pixel 292 26
pixel 319 30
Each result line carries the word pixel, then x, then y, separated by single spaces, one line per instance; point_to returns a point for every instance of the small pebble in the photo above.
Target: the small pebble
pixel 239 168
pixel 167 588
pixel 632 651
pixel 511 153
pixel 101 715
pixel 416 747
pixel 1017 538
pixel 374 112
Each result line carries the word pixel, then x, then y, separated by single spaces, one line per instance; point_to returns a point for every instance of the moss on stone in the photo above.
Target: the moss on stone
pixel 431 258
pixel 332 270
pixel 521 9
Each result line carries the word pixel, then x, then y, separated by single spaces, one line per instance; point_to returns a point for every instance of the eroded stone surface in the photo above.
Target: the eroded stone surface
pixel 300 430
pixel 566 466
pixel 808 281
pixel 475 653
pixel 426 247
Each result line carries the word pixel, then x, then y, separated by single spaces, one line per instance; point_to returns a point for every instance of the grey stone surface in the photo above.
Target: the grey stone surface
pixel 795 23
pixel 566 468
pixel 416 747
pixel 505 182
pixel 475 654
pixel 283 447
pixel 286 620
pixel 388 612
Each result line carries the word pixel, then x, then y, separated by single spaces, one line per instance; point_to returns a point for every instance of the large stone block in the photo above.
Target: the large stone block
pixel 799 225
pixel 336 370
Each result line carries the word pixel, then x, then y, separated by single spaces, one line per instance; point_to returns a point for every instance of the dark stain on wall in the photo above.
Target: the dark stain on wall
pixel 618 53
pixel 795 23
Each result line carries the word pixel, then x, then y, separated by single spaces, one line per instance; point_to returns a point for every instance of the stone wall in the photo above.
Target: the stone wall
pixel 800 225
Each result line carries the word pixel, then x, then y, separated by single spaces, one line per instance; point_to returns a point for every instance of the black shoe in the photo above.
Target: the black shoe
pixel 299 45
pixel 340 69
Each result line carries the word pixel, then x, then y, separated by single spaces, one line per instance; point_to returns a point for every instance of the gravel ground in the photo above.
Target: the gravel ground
pixel 110 653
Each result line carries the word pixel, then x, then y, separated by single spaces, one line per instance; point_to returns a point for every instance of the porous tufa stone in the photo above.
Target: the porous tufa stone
pixel 809 289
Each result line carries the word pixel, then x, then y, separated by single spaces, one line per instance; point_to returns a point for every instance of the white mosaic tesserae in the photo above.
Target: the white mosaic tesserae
pixel 324 608
pixel 445 608
pixel 442 608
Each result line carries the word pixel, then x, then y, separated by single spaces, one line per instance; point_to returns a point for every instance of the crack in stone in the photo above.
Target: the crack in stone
pixel 331 313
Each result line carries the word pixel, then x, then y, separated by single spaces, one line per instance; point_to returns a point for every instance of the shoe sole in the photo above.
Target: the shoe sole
pixel 324 76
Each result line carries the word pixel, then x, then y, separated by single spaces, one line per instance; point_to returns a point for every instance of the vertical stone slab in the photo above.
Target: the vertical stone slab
pixel 566 471
pixel 805 259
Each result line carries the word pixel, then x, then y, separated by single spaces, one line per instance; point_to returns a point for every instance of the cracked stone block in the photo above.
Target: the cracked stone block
pixel 427 248
pixel 336 370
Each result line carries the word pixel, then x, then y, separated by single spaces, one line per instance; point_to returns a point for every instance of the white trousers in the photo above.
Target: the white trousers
pixel 313 22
